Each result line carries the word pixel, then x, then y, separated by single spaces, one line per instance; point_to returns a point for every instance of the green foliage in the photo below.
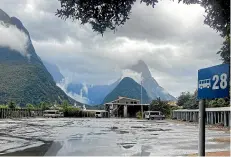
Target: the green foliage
pixel 25 80
pixel 11 105
pixel 183 98
pixel 110 14
pixel 139 115
pixel 101 14
pixel 225 51
pixel 70 111
pixel 3 106
pixel 27 83
pixel 158 105
pixel 218 18
pixel 221 102
pixel 43 105
pixel 30 106
pixel 175 108
pixel 188 100
pixel 65 106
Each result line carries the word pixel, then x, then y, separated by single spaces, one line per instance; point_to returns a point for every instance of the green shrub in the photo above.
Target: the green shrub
pixel 3 106
pixel 139 115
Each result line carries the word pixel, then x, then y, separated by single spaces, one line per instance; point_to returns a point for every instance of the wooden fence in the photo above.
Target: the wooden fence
pixel 19 113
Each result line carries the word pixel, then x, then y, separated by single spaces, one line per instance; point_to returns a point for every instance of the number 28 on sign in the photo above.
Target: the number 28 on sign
pixel 213 82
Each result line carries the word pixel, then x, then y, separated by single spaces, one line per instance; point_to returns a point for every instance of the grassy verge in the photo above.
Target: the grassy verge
pixel 221 153
pixel 222 139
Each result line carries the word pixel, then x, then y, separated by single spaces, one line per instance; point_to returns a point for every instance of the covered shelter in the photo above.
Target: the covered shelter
pixel 103 112
pixel 125 107
pixel 212 115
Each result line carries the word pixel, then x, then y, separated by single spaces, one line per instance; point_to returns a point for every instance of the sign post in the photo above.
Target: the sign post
pixel 201 145
pixel 213 82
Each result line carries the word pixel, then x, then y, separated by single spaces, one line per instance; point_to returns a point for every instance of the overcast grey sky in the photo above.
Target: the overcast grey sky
pixel 171 39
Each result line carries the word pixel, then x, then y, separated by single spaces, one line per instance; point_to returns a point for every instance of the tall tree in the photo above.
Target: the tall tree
pixel 158 105
pixel 109 14
pixel 30 106
pixel 43 105
pixel 184 99
pixel 11 105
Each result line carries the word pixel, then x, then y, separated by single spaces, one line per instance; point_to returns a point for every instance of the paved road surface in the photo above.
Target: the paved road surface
pixel 99 137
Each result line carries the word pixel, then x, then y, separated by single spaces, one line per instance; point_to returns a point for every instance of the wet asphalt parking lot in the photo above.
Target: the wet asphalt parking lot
pixel 102 137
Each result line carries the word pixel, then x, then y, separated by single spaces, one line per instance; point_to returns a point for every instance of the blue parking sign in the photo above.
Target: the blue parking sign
pixel 213 82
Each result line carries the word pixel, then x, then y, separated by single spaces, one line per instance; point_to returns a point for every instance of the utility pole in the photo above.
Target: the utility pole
pixel 141 99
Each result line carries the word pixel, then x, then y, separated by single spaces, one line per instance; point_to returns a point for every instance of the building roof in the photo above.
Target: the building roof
pixel 121 97
pixel 207 109
pixel 127 104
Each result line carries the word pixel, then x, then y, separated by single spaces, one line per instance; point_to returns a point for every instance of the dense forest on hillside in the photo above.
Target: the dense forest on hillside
pixel 24 83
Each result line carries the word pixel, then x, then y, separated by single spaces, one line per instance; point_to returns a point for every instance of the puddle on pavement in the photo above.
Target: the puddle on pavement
pixel 122 132
pixel 138 127
pixel 114 128
pixel 150 130
pixel 126 145
pixel 143 121
pixel 76 137
pixel 94 133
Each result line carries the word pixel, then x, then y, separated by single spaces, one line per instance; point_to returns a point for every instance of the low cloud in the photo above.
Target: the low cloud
pixel 14 39
pixel 63 85
pixel 132 74
pixel 173 45
pixel 84 89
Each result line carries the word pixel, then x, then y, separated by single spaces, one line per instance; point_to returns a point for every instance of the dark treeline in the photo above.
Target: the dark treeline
pixel 68 109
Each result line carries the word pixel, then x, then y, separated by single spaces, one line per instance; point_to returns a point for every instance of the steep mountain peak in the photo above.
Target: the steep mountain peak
pixel 17 22
pixel 141 62
pixel 128 88
pixel 153 89
pixel 125 79
pixel 22 80
pixel 141 67
pixel 4 16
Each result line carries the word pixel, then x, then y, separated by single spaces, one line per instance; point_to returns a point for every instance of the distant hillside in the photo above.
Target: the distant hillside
pixel 25 80
pixel 128 88
pixel 54 71
pixel 95 94
pixel 153 89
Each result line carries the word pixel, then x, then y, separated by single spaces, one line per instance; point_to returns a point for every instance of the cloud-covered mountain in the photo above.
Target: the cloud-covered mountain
pixel 94 93
pixel 128 88
pixel 24 78
pixel 153 89
pixel 54 71
pixel 99 94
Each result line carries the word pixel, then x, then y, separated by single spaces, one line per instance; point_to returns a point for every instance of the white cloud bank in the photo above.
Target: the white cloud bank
pixel 173 45
pixel 13 38
pixel 132 74
pixel 63 85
